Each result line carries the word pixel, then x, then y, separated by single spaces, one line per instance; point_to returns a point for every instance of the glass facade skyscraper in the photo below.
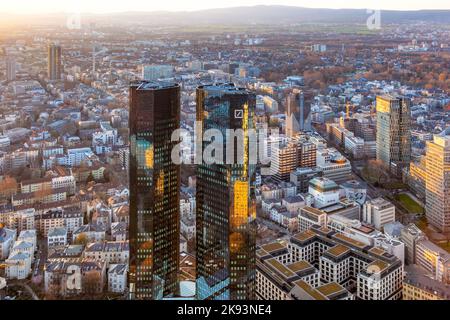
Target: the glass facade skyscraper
pixel 54 62
pixel 226 207
pixel 394 132
pixel 154 190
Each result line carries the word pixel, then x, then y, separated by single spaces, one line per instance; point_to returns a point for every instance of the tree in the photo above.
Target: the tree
pixel 92 282
pixel 90 178
pixel 81 239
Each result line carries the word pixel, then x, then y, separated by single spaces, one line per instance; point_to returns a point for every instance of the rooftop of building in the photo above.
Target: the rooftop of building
pixel 119 269
pixel 155 85
pixel 380 203
pixel 331 289
pixel 304 236
pixel 312 211
pixel 57 232
pixel 280 268
pixel 73 250
pixel 61 264
pixel 323 184
pixel 338 250
pixel 229 88
pixel 294 199
pixel 300 266
pixel 274 247
pixel 417 277
pixel 356 243
pixel 377 266
pixel 312 292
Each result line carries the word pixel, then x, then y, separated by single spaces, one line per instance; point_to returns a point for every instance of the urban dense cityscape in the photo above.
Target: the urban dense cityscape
pixel 344 195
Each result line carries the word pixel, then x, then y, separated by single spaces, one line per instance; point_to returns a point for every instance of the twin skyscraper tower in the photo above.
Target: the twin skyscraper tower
pixel 225 195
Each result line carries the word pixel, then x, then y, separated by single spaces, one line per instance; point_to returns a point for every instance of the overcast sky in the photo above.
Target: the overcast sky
pixel 105 6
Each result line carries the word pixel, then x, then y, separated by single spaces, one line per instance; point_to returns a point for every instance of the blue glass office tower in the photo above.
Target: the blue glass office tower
pixel 226 210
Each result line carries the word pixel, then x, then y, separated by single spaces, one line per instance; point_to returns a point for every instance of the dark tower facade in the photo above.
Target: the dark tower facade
pixel 394 132
pixel 226 210
pixel 54 62
pixel 154 190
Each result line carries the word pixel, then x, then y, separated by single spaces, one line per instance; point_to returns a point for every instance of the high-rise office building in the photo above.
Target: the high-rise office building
pixel 394 132
pixel 154 190
pixel 298 113
pixel 10 69
pixel 155 72
pixel 226 207
pixel 437 184
pixel 307 154
pixel 54 62
pixel 285 158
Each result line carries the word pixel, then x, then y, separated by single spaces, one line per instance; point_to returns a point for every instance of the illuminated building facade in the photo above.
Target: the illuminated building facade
pixel 54 62
pixel 394 132
pixel 285 158
pixel 417 285
pixel 437 183
pixel 154 190
pixel 226 207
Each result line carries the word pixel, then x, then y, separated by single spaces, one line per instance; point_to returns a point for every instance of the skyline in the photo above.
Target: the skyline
pixel 99 7
pixel 242 153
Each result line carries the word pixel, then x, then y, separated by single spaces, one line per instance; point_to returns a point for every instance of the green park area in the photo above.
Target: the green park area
pixel 409 204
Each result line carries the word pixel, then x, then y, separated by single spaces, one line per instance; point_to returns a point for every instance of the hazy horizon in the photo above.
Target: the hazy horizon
pixel 115 6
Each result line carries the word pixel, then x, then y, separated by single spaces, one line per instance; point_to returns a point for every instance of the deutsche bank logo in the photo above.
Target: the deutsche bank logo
pixel 238 114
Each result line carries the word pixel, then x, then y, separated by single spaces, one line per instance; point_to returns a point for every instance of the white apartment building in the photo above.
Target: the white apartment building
pixel 333 165
pixel 65 182
pixel 278 278
pixel 112 252
pixel 324 191
pixel 22 247
pixel 57 237
pixel 93 232
pixel 29 236
pixel 432 258
pixel 19 220
pixel 7 239
pixel 69 218
pixel 73 157
pixel 117 278
pixel 363 233
pixel 187 227
pixel 378 212
pixel 410 235
pixel 370 273
pixel 18 266
pixel 309 216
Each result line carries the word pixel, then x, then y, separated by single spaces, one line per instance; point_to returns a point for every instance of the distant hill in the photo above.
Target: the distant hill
pixel 282 15
pixel 255 15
